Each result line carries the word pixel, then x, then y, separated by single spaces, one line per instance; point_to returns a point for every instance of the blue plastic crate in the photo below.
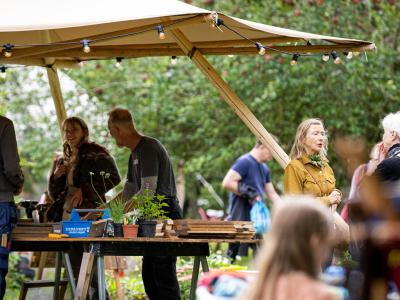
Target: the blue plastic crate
pixel 76 228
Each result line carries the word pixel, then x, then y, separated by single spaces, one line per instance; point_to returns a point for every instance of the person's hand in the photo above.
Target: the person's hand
pixel 61 169
pixel 335 197
pixel 77 198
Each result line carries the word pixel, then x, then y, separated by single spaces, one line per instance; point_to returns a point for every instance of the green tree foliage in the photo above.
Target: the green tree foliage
pixel 176 104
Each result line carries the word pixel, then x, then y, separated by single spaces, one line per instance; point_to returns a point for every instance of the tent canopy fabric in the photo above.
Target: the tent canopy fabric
pixel 127 28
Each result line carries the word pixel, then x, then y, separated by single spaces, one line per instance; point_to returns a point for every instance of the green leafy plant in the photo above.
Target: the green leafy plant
pixel 151 207
pixel 116 207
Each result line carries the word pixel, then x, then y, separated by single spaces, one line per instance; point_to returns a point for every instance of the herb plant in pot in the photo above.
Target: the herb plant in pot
pixel 151 208
pixel 116 207
pixel 130 228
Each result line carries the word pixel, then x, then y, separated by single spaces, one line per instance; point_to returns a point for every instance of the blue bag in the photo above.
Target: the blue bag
pixel 259 215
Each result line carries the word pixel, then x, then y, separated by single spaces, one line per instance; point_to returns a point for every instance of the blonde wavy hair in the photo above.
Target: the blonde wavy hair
pixel 287 247
pixel 298 148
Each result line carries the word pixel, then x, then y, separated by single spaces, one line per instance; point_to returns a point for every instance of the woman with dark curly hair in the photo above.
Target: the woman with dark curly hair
pixel 82 175
pixel 79 178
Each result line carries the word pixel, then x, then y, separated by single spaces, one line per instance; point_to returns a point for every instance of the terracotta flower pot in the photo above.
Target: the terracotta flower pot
pixel 130 230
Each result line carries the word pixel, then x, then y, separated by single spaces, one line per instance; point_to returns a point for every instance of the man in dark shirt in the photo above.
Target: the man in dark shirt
pixel 149 168
pixel 11 182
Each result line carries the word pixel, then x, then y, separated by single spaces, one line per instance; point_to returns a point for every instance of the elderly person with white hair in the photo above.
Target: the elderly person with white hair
pixel 389 169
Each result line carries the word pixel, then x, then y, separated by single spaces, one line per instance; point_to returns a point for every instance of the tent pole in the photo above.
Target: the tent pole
pixel 56 93
pixel 231 98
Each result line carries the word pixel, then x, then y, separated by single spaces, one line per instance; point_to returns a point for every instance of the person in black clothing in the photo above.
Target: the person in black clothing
pixel 149 168
pixel 382 198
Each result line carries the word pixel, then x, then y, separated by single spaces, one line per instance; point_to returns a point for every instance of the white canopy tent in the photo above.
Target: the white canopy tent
pixel 52 34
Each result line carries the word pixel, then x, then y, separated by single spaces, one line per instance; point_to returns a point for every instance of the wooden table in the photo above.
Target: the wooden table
pixel 97 248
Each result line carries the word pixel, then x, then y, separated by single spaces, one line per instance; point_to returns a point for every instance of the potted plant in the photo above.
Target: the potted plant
pixel 116 207
pixel 130 228
pixel 151 208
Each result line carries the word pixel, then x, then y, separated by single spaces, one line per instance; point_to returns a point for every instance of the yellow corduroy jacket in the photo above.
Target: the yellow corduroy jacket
pixel 298 181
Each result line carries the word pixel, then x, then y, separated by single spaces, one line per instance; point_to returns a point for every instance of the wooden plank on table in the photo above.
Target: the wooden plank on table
pixel 189 222
pixel 84 276
pixel 212 232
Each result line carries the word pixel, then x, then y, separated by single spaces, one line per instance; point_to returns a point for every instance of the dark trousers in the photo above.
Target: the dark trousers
pixel 8 219
pixel 159 277
pixel 235 249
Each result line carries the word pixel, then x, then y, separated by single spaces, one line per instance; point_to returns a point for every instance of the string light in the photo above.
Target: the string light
pixel 161 33
pixel 336 58
pixel 118 62
pixel 86 47
pixel 214 21
pixel 295 57
pixel 260 48
pixel 349 55
pixel 7 50
pixel 3 70
pixel 174 60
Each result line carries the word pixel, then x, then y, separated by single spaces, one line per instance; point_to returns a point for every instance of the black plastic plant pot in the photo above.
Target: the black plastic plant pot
pixel 147 228
pixel 118 230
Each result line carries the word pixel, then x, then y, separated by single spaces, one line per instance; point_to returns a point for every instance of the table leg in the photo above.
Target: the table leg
pixel 101 277
pixel 68 267
pixel 195 276
pixel 85 274
pixel 204 263
pixel 56 293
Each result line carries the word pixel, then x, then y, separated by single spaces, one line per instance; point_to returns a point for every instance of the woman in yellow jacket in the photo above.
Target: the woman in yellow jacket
pixel 309 172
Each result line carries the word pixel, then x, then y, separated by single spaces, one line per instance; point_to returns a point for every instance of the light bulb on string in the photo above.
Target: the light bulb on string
pixel 3 72
pixel 336 58
pixel 174 60
pixel 7 51
pixel 294 60
pixel 260 48
pixel 325 57
pixel 161 33
pixel 118 62
pixel 86 47
pixel 349 55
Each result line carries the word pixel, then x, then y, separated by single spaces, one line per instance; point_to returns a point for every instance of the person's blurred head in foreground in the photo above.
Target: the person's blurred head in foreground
pixel 299 241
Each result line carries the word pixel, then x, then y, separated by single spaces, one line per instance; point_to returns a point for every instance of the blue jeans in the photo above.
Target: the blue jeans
pixel 8 220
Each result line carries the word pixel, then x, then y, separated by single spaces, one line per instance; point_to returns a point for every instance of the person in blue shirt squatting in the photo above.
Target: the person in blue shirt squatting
pixel 11 182
pixel 248 180
pixel 149 168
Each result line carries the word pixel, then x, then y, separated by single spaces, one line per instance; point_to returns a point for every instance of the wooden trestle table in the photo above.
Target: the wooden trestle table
pixel 96 248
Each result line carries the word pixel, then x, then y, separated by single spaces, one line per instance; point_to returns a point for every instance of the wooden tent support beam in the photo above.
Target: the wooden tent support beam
pixel 38 62
pixel 56 93
pixel 232 99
